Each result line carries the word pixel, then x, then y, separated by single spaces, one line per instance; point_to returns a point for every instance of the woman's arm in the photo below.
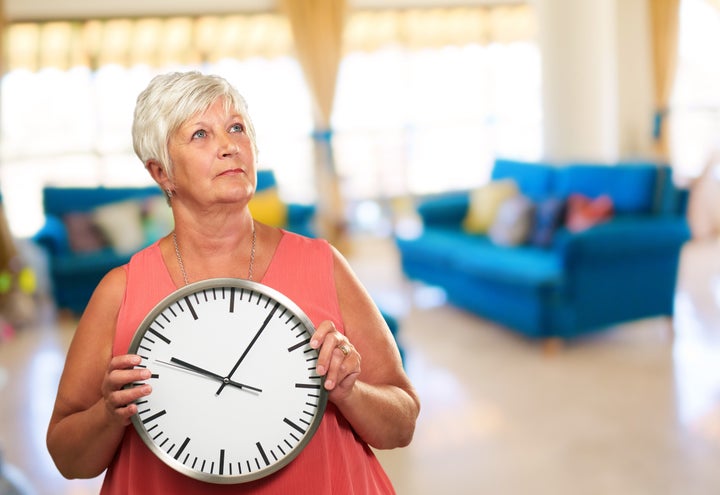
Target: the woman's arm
pixel 91 409
pixel 368 385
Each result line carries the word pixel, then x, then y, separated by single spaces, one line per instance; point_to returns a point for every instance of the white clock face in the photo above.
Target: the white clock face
pixel 235 393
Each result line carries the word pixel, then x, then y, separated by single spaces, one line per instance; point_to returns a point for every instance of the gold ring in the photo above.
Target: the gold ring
pixel 344 348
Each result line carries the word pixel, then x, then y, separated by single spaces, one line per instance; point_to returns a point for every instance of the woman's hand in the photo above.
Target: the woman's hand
pixel 339 361
pixel 119 398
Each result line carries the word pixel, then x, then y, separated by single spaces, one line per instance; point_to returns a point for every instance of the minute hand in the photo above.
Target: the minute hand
pixel 247 349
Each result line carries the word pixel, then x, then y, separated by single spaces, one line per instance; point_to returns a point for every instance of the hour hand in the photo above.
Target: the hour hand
pixel 179 363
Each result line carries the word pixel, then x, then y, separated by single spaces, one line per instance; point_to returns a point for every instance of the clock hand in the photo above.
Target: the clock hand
pixel 247 349
pixel 179 363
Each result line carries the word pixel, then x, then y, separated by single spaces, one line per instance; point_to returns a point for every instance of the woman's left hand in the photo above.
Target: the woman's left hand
pixel 339 361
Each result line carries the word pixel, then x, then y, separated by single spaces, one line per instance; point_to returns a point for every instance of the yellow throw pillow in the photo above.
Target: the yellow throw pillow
pixel 484 204
pixel 267 207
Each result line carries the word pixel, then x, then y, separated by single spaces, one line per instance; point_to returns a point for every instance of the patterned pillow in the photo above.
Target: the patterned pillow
pixel 549 216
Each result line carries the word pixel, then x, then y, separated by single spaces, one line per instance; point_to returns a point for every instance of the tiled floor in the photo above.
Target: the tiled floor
pixel 635 410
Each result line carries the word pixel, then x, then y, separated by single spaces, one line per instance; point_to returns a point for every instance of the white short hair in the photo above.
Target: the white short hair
pixel 169 101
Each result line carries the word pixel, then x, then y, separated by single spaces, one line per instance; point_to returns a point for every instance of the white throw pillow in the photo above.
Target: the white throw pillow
pixel 121 224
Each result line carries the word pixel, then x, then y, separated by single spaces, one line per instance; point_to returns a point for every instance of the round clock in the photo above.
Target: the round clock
pixel 235 395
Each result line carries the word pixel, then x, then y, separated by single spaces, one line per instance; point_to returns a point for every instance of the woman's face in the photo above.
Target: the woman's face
pixel 213 157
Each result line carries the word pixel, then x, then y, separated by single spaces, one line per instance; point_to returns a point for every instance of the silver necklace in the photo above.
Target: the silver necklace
pixel 182 265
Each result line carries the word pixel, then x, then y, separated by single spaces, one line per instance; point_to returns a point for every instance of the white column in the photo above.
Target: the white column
pixel 578 42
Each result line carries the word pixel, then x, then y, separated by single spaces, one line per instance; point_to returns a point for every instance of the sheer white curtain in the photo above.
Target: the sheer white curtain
pixel 424 121
pixel 410 117
pixel 695 104
pixel 72 127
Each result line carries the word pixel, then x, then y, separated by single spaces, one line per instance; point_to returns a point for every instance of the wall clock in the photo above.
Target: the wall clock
pixel 235 393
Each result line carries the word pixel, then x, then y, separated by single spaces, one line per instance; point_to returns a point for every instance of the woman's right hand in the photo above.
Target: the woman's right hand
pixel 118 393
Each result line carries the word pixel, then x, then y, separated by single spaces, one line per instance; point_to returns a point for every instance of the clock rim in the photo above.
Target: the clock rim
pixel 198 286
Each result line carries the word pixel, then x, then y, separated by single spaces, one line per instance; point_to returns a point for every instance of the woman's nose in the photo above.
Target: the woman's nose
pixel 227 146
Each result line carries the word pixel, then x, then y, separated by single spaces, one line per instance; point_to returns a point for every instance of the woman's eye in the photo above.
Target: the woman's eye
pixel 199 134
pixel 237 128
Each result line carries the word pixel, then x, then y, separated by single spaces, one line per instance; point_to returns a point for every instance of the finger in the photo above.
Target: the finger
pixel 123 385
pixel 320 332
pixel 121 398
pixel 124 362
pixel 329 350
pixel 344 347
pixel 344 361
pixel 119 379
pixel 343 384
pixel 121 404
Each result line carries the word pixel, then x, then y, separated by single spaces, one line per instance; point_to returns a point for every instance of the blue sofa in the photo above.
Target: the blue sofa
pixel 619 270
pixel 74 274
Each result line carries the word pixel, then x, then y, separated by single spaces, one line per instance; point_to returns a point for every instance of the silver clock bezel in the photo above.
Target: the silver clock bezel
pixel 216 283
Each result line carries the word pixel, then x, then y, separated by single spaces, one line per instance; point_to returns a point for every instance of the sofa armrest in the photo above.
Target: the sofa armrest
pixel 629 235
pixel 446 209
pixel 53 236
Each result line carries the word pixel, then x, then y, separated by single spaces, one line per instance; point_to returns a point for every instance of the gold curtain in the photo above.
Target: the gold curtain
pixel 3 34
pixel 161 41
pixel 7 245
pixel 664 31
pixel 156 42
pixel 317 27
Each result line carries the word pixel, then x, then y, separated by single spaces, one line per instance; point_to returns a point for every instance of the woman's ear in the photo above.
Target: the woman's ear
pixel 159 174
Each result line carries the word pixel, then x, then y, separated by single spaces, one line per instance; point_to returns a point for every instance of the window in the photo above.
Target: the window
pixel 425 121
pixel 695 105
pixel 410 118
pixel 72 127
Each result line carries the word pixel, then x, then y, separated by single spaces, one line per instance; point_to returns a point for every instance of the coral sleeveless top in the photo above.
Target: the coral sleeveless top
pixel 336 461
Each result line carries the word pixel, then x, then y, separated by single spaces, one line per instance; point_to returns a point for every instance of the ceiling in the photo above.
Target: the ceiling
pixel 39 10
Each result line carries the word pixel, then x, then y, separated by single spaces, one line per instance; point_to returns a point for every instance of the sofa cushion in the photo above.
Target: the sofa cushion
pixel 584 212
pixel 59 201
pixel 513 222
pixel 83 234
pixel 520 265
pixel 267 207
pixel 534 180
pixel 476 255
pixel 484 204
pixel 121 223
pixel 631 187
pixel 549 216
pixel 444 209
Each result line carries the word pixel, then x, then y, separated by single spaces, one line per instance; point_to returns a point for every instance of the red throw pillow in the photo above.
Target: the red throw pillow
pixel 584 212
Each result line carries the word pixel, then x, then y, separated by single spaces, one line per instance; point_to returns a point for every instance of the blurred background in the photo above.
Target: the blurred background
pixel 362 108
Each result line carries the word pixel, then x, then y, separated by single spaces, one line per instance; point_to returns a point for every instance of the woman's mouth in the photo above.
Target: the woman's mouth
pixel 232 171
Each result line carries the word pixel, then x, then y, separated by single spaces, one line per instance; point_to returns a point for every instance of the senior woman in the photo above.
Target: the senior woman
pixel 195 137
